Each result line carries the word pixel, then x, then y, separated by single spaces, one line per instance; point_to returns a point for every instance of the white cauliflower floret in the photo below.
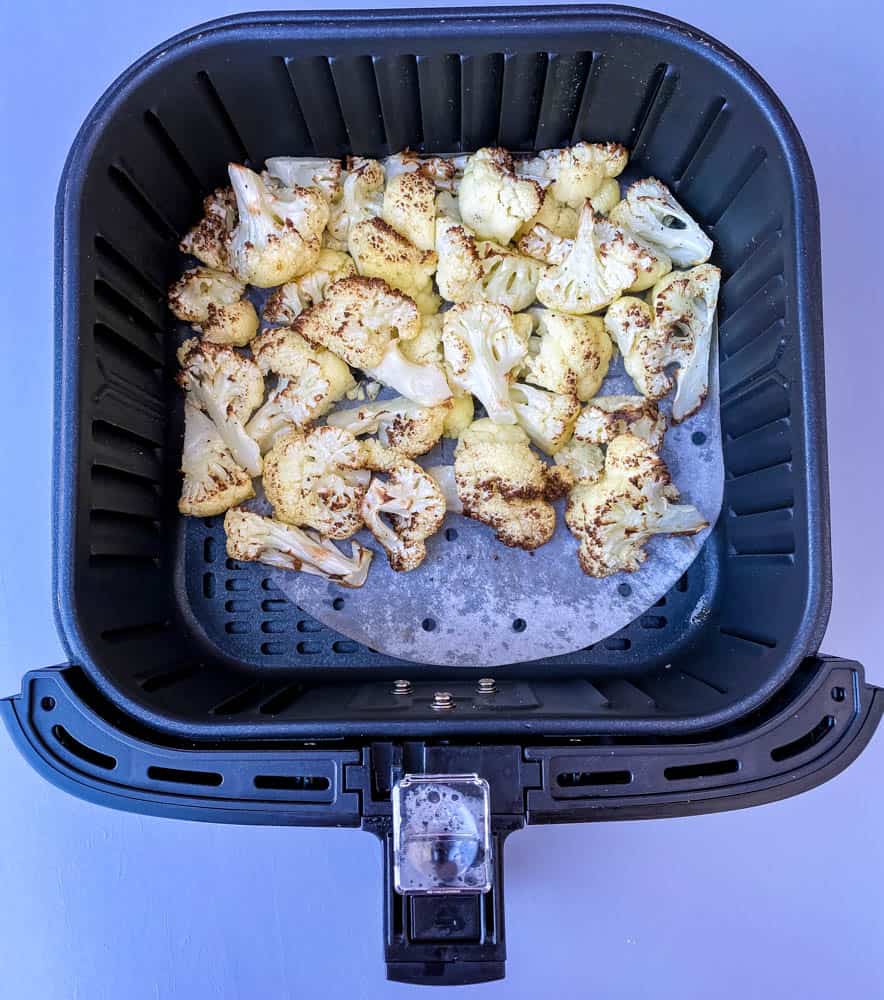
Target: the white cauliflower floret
pixel 410 208
pixel 295 401
pixel 228 388
pixel 472 270
pixel 634 500
pixel 362 198
pixel 493 201
pixel 577 172
pixel 286 303
pixel 569 354
pixel 279 232
pixel 676 329
pixel 444 171
pixel 650 211
pixel 252 538
pixel 411 500
pixel 426 347
pixel 208 239
pixel 547 417
pixel 212 301
pixel 400 424
pixel 307 171
pixel 212 479
pixel 379 251
pixel 502 483
pixel 482 349
pixel 546 245
pixel 607 417
pixel 606 197
pixel 316 479
pixel 585 461
pixel 459 416
pixel 363 321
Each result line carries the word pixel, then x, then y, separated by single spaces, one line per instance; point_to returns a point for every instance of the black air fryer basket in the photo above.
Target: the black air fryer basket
pixel 195 690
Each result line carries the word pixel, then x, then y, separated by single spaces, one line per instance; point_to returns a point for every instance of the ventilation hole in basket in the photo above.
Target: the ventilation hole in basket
pixel 519 625
pixel 428 624
pixel 275 626
pixel 309 648
pixel 805 742
pixel 210 549
pixel 338 603
pixel 217 105
pixel 838 694
pixel 236 585
pixel 268 585
pixel 310 625
pixel 652 621
pixel 237 627
pixel 282 699
pixel 132 192
pixel 47 703
pixel 451 534
pixel 237 607
pixel 344 646
pixel 275 648
pixel 292 782
pixel 682 584
pixel 178 776
pixel 624 590
pixel 156 128
pixel 275 604
pixel 208 585
pixel 698 437
pixel 591 779
pixel 661 603
pixel 86 753
pixel 705 769
pixel 617 644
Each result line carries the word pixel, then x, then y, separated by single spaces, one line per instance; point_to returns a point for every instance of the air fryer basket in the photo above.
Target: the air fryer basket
pixel 186 663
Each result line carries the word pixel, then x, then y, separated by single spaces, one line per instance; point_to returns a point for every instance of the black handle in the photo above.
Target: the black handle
pixel 445 940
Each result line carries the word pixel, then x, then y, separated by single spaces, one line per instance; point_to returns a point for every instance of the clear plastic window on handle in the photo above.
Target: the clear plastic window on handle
pixel 441 834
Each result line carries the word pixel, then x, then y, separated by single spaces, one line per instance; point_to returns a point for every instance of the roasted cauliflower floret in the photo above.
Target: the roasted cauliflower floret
pixel 228 388
pixel 316 479
pixel 252 538
pixel 634 500
pixel 546 417
pixel 400 424
pixel 676 329
pixel 502 483
pixel 607 417
pixel 567 354
pixel 208 239
pixel 212 302
pixel 307 171
pixel 493 201
pixel 482 349
pixel 650 211
pixel 414 505
pixel 379 251
pixel 577 172
pixel 212 479
pixel 583 460
pixel 459 416
pixel 279 232
pixel 363 321
pixel 362 198
pixel 444 171
pixel 410 208
pixel 286 303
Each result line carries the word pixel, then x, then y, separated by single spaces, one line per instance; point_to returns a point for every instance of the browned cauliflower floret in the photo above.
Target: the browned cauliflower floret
pixel 362 198
pixel 400 424
pixel 379 251
pixel 607 417
pixel 577 172
pixel 410 208
pixel 212 479
pixel 567 354
pixel 212 301
pixel 208 239
pixel 286 303
pixel 493 201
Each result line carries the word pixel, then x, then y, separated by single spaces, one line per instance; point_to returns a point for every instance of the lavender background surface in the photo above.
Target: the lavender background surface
pixel 783 900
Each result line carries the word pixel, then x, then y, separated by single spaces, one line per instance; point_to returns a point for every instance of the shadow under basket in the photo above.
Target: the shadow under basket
pixel 187 668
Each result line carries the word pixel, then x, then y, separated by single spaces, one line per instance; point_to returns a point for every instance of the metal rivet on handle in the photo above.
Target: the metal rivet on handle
pixel 442 701
pixel 486 685
pixel 402 687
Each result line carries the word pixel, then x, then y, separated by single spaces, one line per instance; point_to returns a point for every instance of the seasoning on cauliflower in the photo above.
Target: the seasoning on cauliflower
pixel 471 270
pixel 493 201
pixel 482 348
pixel 444 171
pixel 502 483
pixel 208 239
pixel 577 172
pixel 676 329
pixel 607 417
pixel 317 479
pixel 583 460
pixel 410 208
pixel 252 538
pixel 650 211
pixel 279 232
pixel 286 303
pixel 307 171
pixel 228 388
pixel 363 321
pixel 568 354
pixel 362 198
pixel 212 479
pixel 400 424
pixel 212 302
pixel 634 500
pixel 411 500
pixel 547 417
pixel 380 252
